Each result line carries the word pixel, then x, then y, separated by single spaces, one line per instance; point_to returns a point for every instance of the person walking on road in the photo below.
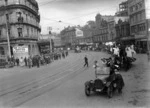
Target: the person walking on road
pixel 86 61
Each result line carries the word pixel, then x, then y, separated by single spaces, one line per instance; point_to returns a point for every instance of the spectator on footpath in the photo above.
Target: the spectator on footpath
pixel 37 61
pixel 132 50
pixel 21 61
pixel 29 62
pixel 86 61
pixel 116 51
pixel 111 50
pixel 25 60
pixel 17 61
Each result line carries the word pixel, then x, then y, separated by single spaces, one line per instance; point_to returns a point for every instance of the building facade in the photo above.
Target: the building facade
pixel 68 37
pixel 138 24
pixel 111 31
pixel 123 35
pixel 86 39
pixel 105 29
pixel 45 44
pixel 20 19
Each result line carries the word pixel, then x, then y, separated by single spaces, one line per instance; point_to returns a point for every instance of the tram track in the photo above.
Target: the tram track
pixel 33 89
pixel 24 84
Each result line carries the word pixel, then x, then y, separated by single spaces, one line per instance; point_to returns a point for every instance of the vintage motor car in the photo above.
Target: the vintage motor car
pixel 105 82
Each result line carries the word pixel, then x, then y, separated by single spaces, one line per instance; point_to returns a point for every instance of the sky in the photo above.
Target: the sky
pixel 57 14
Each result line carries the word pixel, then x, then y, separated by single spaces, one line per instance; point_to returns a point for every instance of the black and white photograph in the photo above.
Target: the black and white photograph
pixel 74 53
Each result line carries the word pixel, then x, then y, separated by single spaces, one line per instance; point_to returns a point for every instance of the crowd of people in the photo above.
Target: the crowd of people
pixel 125 55
pixel 37 60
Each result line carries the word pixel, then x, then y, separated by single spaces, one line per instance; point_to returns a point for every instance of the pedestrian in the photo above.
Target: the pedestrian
pixel 17 61
pixel 30 62
pixel 22 61
pixel 86 61
pixel 37 61
pixel 25 60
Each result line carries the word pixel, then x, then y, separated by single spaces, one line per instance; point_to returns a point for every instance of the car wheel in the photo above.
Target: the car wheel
pixel 87 91
pixel 110 91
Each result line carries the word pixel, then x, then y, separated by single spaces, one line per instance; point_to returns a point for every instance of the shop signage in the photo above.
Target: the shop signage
pixel 20 49
pixel 139 36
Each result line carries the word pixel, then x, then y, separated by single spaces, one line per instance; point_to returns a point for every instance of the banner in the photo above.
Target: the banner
pixel 79 32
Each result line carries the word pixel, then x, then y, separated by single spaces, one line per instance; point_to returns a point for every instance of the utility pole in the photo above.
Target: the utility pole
pixel 148 39
pixel 147 11
pixel 50 39
pixel 7 21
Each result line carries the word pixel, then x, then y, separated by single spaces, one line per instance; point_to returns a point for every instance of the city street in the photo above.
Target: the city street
pixel 61 84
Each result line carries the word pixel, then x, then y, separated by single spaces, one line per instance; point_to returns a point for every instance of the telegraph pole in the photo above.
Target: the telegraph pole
pixel 147 11
pixel 148 39
pixel 50 39
pixel 8 39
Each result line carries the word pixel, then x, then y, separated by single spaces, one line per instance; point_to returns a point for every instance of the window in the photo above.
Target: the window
pixel 6 2
pixel 7 17
pixel 32 31
pixel 2 52
pixel 26 17
pixel 17 1
pixel 0 33
pixel 140 4
pixel 19 32
pixel 131 9
pixel 136 7
pixel 27 31
pixel 25 2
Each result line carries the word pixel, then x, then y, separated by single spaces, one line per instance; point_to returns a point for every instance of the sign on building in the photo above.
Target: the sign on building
pixel 147 8
pixel 79 32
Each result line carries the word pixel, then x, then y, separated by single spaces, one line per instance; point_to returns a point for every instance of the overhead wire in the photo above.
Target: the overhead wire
pixel 46 3
pixel 83 15
pixel 58 21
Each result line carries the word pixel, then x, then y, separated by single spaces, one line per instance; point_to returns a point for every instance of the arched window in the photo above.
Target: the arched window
pixel 2 52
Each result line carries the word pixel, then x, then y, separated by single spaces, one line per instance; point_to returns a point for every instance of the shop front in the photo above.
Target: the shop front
pixel 19 48
pixel 141 43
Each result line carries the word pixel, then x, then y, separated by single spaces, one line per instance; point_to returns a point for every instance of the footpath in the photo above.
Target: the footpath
pixel 137 83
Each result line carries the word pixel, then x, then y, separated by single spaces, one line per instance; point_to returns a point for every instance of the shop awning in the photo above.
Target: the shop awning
pixel 142 40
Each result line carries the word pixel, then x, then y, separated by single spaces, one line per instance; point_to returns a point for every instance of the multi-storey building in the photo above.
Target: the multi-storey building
pixel 123 35
pixel 20 20
pixel 77 36
pixel 138 27
pixel 68 36
pixel 122 20
pixel 123 9
pixel 105 29
pixel 111 31
pixel 86 39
